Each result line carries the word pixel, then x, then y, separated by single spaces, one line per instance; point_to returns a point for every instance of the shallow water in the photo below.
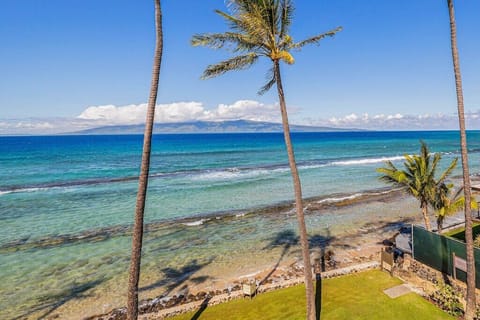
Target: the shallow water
pixel 214 210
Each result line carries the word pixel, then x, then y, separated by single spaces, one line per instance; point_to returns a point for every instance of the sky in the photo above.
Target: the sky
pixel 70 65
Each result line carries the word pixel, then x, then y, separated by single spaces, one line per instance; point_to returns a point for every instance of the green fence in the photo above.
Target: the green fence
pixel 437 252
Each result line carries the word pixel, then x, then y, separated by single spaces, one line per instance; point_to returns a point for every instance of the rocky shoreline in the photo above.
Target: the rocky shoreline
pixel 165 307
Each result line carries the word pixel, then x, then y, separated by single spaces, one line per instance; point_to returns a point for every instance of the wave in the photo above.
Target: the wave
pixel 355 196
pixel 366 161
pixel 195 223
pixel 233 174
pixel 18 190
pixel 236 173
pixel 253 172
pixel 67 184
pixel 340 199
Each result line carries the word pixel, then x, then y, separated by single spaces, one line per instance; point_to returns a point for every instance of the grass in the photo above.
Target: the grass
pixel 459 233
pixel 358 296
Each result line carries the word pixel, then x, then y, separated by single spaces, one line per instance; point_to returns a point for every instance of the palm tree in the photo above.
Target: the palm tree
pixel 418 178
pixel 470 307
pixel 137 233
pixel 446 204
pixel 260 28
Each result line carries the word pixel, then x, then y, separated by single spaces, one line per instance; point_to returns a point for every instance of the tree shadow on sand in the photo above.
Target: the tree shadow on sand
pixel 284 239
pixel 49 303
pixel 174 278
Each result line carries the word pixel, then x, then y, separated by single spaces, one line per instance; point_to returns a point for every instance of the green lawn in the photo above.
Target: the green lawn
pixel 358 296
pixel 459 233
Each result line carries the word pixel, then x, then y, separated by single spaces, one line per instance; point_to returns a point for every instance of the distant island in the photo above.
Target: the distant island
pixel 231 126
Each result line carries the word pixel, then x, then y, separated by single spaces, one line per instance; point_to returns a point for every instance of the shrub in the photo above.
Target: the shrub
pixel 476 242
pixel 448 300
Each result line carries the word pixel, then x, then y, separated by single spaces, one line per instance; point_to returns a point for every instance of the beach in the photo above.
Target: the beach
pixel 219 211
pixel 213 267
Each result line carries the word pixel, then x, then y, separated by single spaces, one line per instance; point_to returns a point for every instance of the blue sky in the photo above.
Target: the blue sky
pixel 75 64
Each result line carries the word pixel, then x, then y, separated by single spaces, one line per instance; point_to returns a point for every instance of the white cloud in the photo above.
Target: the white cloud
pixel 181 112
pixel 398 121
pixel 95 116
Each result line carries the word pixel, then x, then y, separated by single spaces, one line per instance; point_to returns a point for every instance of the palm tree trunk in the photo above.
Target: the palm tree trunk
pixel 425 216
pixel 439 226
pixel 298 196
pixel 470 308
pixel 137 233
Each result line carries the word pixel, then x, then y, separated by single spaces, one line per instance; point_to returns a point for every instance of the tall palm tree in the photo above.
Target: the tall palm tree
pixel 137 233
pixel 260 28
pixel 470 307
pixel 418 178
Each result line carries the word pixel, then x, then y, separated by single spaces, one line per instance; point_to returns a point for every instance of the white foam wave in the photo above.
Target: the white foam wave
pixel 195 223
pixel 365 161
pixel 313 166
pixel 233 174
pixel 20 190
pixel 339 199
pixel 354 196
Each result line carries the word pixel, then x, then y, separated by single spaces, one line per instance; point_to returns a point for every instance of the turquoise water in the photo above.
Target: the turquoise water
pixel 67 202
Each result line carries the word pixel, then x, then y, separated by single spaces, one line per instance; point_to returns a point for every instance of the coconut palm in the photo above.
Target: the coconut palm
pixel 418 178
pixel 445 203
pixel 260 28
pixel 137 233
pixel 470 307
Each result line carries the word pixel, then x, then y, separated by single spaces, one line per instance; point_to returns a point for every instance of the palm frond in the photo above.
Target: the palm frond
pixel 449 170
pixel 286 17
pixel 270 82
pixel 256 28
pixel 232 21
pixel 316 39
pixel 391 174
pixel 235 63
pixel 257 25
pixel 219 40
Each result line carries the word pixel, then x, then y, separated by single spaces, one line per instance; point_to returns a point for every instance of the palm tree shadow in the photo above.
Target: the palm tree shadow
pixel 173 278
pixel 318 296
pixel 50 303
pixel 285 239
pixel 318 245
pixel 321 257
pixel 202 308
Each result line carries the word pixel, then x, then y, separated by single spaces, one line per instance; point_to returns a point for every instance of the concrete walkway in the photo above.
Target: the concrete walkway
pixel 397 291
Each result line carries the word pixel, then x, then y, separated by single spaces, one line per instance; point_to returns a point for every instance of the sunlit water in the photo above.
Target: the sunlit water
pixel 214 203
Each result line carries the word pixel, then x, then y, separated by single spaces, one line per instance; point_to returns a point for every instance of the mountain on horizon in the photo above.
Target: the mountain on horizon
pixel 231 126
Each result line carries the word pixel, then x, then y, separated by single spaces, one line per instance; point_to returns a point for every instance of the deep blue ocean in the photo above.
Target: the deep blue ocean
pixel 67 202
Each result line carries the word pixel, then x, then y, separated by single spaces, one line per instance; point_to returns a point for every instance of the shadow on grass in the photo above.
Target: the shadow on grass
pixel 320 258
pixel 173 278
pixel 49 303
pixel 202 308
pixel 318 296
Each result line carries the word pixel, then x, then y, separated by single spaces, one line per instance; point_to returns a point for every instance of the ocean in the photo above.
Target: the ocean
pixel 67 205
